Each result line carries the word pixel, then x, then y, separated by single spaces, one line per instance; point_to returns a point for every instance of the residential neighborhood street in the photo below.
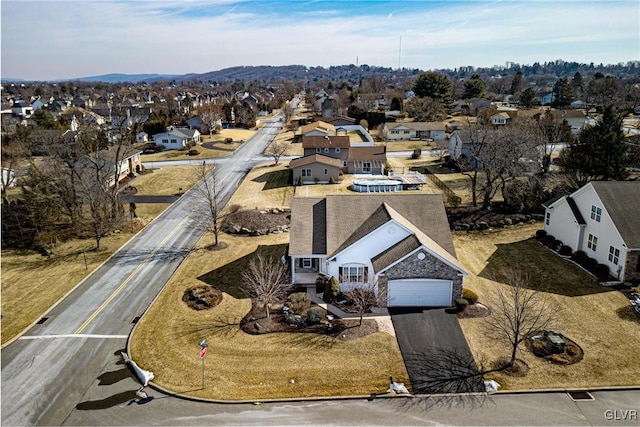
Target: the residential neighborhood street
pixel 47 371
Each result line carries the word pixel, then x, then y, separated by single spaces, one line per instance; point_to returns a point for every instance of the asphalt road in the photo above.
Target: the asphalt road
pixel 46 372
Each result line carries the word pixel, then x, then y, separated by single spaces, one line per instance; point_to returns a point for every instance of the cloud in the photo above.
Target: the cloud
pixel 64 39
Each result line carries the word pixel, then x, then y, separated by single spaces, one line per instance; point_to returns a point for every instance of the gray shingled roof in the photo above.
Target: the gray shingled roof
pixel 621 199
pixel 394 253
pixel 328 226
pixel 308 225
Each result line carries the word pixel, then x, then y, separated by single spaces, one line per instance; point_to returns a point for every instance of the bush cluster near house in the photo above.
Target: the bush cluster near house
pixel 601 271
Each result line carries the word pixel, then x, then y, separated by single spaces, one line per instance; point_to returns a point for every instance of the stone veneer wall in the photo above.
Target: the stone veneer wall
pixel 428 268
pixel 632 266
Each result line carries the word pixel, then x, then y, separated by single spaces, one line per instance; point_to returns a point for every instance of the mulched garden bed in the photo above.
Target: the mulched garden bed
pixel 256 322
pixel 572 352
pixel 476 310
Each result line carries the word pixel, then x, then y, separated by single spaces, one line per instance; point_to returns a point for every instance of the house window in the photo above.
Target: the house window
pixel 593 242
pixel 366 166
pixel 306 172
pixel 318 150
pixel 307 263
pixel 326 171
pixel 326 150
pixel 337 149
pixel 174 141
pixel 614 255
pixel 395 132
pixel 596 213
pixel 547 218
pixel 344 163
pixel 165 141
pixel 353 274
pixel 407 132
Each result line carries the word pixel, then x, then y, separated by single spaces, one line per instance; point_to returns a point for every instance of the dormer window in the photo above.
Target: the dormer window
pixel 337 149
pixel 326 150
pixel 318 150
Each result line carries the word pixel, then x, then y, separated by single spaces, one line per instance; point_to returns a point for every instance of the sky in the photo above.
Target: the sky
pixel 61 39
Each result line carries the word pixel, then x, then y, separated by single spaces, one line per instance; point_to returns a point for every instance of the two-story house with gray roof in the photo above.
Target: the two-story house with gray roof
pixel 602 219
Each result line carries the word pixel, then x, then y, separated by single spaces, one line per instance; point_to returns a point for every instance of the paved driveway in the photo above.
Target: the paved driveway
pixel 435 351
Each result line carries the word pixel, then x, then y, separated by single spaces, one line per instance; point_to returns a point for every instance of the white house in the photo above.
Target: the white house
pixel 500 119
pixel 177 139
pixel 401 243
pixel 414 130
pixel 602 219
pixel 142 137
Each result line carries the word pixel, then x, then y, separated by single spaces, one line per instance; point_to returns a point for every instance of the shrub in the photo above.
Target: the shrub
pixel 461 304
pixel 454 201
pixel 300 180
pixel 332 180
pixel 540 234
pixel 315 314
pixel 299 302
pixel 469 295
pixel 601 271
pixel 416 153
pixel 193 152
pixel 548 240
pixel 539 348
pixel 332 290
pixel 579 257
pixel 590 264
pixel 565 250
pixel 234 208
pixel 159 147
pixel 228 140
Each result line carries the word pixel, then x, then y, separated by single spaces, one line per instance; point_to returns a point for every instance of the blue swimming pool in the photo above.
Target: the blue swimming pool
pixel 377 185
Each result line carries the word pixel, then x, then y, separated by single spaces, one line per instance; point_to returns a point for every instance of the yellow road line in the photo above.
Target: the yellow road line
pixel 128 279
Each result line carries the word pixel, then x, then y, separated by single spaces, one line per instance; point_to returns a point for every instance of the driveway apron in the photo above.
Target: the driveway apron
pixel 435 351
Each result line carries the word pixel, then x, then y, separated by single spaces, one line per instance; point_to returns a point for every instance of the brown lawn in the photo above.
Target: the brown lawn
pixel 253 367
pixel 596 317
pixel 154 181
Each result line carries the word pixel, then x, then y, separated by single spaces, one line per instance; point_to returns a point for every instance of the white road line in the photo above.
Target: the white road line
pixel 37 337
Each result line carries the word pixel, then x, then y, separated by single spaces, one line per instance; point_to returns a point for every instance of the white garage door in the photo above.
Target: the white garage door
pixel 419 293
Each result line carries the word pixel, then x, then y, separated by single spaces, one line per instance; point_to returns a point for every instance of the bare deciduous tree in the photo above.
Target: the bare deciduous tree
pixel 207 190
pixel 276 149
pixel 364 296
pixel 210 114
pixel 268 278
pixel 517 312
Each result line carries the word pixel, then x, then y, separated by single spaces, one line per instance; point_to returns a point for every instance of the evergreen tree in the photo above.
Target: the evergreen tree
pixel 577 84
pixel 562 93
pixel 600 152
pixel 433 85
pixel 528 97
pixel 474 87
pixel 516 83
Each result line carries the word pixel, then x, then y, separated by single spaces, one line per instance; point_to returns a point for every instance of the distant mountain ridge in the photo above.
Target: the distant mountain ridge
pixel 121 78
pixel 355 73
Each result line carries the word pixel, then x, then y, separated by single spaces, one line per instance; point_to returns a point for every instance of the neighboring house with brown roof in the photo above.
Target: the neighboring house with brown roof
pixel 318 128
pixel 414 130
pixel 315 169
pixel 399 242
pixel 355 158
pixel 601 219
